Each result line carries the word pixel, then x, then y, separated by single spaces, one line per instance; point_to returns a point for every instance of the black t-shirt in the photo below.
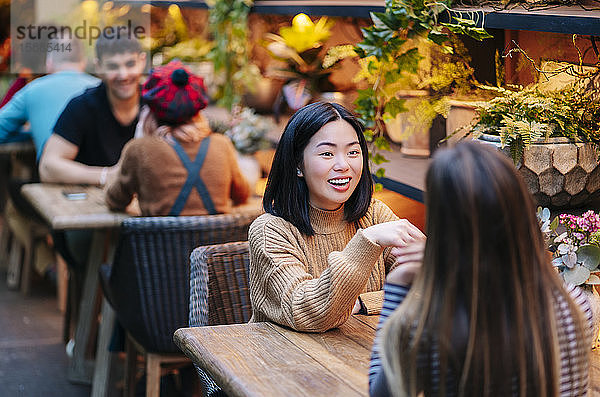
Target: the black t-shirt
pixel 88 122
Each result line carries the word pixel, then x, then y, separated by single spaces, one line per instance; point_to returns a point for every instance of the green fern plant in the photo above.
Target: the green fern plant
pixel 390 58
pixel 522 117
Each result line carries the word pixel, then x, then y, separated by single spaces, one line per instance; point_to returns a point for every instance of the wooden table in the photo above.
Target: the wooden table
pixel 260 359
pixel 63 214
pixel 90 213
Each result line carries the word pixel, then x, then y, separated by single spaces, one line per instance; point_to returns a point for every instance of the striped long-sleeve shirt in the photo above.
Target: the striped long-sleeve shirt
pixel 574 365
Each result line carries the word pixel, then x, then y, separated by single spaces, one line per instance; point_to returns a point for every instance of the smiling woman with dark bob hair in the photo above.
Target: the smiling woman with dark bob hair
pixel 324 241
pixel 286 195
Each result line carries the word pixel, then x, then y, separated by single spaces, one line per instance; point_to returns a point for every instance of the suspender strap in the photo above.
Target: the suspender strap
pixel 193 179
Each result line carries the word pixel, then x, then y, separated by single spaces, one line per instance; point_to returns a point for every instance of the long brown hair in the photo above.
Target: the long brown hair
pixel 484 299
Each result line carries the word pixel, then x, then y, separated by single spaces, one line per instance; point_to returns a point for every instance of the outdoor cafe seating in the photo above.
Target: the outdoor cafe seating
pixel 148 284
pixel 179 286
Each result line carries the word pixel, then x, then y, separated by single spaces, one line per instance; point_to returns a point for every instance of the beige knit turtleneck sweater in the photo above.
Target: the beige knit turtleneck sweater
pixel 310 283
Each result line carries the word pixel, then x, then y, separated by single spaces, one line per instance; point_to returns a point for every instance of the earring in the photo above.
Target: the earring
pixel 298 172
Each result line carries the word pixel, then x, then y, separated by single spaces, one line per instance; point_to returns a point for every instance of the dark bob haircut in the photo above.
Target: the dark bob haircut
pixel 286 195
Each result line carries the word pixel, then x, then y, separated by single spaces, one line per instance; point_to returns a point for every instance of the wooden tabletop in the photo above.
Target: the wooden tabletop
pixel 61 213
pixel 259 359
pixel 88 212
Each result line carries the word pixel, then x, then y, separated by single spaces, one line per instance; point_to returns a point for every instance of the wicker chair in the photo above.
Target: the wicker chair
pixel 219 292
pixel 148 285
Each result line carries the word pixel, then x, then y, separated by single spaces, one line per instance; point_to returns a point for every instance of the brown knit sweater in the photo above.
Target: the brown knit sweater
pixel 310 283
pixel 151 168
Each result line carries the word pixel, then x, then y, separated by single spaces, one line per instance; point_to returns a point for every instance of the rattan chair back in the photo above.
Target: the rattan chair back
pixel 219 284
pixel 149 284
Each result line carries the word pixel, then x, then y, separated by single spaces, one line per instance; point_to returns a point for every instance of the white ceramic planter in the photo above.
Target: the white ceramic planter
pixel 460 116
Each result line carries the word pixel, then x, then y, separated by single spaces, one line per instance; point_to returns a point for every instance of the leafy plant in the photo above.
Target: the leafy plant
pixel 522 117
pixel 575 244
pixel 308 65
pixel 228 24
pixel 390 57
pixel 191 50
pixel 173 31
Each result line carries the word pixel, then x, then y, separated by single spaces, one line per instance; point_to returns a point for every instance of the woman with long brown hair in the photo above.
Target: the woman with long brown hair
pixel 486 315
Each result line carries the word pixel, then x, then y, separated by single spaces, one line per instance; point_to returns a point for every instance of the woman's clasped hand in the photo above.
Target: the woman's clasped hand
pixel 394 234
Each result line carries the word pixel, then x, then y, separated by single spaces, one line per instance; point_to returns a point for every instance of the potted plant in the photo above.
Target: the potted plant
pixel 300 47
pixel 388 57
pixel 553 139
pixel 426 95
pixel 574 241
pixel 173 41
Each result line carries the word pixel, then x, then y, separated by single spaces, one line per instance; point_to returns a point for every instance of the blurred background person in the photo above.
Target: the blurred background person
pixel 42 101
pixel 39 104
pixel 90 133
pixel 178 167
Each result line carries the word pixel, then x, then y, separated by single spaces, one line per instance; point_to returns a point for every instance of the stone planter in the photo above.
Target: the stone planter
pixel 558 173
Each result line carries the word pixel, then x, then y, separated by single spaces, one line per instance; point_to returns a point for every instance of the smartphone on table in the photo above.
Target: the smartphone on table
pixel 74 194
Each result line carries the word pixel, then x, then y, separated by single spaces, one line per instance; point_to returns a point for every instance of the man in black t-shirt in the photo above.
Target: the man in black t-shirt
pixel 90 133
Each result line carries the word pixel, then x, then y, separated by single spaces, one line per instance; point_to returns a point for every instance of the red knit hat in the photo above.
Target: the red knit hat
pixel 173 93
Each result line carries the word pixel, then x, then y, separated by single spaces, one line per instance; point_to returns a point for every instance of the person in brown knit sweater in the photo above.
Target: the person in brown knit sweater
pixel 178 167
pixel 323 241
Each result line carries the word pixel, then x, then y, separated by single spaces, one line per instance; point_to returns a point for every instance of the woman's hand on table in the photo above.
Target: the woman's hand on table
pixel 394 234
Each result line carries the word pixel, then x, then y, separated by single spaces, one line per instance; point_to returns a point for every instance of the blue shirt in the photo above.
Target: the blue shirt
pixel 41 102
